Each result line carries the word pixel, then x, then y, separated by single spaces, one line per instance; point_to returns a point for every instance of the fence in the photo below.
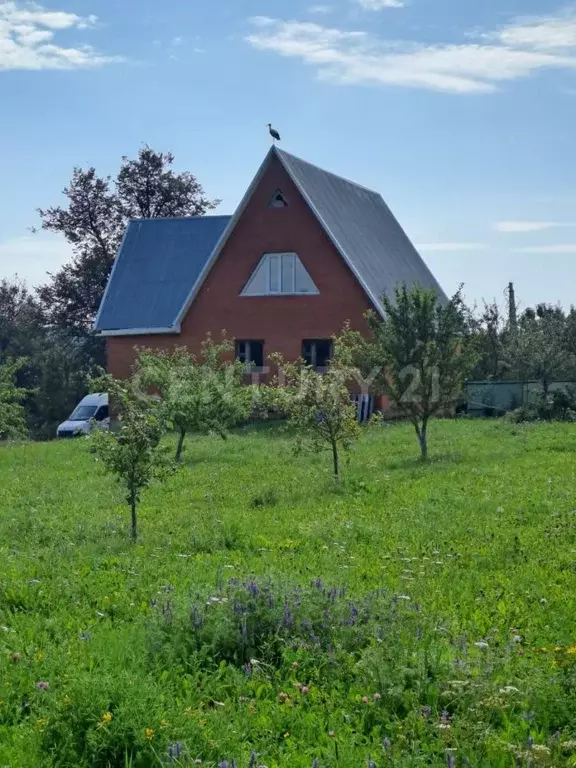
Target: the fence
pixel 488 398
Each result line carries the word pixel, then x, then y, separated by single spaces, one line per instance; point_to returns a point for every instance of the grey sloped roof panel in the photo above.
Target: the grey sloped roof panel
pixel 158 263
pixel 363 228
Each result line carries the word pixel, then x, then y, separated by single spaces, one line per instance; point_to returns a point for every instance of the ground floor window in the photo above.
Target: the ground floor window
pixel 317 352
pixel 251 352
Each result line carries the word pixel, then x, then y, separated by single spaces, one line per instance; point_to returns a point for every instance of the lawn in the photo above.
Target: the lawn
pixel 416 615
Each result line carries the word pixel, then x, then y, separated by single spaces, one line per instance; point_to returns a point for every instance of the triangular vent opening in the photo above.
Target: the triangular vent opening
pixel 278 200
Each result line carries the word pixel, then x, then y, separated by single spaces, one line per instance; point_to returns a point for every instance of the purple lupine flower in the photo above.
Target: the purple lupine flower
pixel 315 763
pixel 223 764
pixel 450 760
pixel 252 761
pixel 529 742
pixel 386 744
pixel 425 711
pixel 43 685
pixel 445 717
pixel 371 763
pixel 248 669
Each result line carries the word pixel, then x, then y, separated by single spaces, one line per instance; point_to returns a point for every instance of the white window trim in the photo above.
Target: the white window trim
pixel 278 257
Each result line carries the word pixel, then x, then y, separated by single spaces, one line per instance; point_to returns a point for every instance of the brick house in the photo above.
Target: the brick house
pixel 304 252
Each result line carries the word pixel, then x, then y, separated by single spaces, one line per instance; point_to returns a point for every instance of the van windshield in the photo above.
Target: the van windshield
pixel 83 412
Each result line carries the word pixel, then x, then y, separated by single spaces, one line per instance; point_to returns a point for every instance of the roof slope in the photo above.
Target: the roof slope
pixel 157 265
pixel 363 229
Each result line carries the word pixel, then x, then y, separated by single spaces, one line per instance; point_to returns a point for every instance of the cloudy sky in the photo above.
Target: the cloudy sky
pixel 461 113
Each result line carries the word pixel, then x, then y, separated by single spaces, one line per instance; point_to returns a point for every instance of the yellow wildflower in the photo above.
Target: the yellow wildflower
pixel 571 651
pixel 149 733
pixel 164 724
pixel 106 718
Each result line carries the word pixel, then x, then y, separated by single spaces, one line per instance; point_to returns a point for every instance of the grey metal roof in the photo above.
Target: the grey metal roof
pixel 363 229
pixel 157 265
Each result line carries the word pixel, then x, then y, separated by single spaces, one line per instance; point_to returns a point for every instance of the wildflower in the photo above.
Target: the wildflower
pixel 287 735
pixel 509 689
pixel 516 639
pixel 425 711
pixel 444 723
pixel 304 690
pixel 282 696
pixel 543 601
pixel 331 734
pixel 106 719
pixel 371 763
pixel 364 699
pixel 43 685
pixel 163 724
pixel 450 760
pixel 223 764
pixel 571 651
pixel 315 763
pixel 481 644
pixel 294 665
pixel 252 761
pixel 149 733
pixel 387 744
pixel 15 658
pixel 242 699
pixel 377 697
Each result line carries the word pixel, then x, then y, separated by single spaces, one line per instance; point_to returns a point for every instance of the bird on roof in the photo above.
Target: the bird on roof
pixel 273 132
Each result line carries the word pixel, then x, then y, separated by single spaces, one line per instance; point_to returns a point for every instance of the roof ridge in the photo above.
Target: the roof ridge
pixel 328 173
pixel 181 218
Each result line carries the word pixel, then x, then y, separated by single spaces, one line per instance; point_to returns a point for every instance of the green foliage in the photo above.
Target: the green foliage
pixel 557 405
pixel 94 219
pixel 12 414
pixel 420 354
pixel 318 406
pixel 461 570
pixel 203 395
pixel 131 452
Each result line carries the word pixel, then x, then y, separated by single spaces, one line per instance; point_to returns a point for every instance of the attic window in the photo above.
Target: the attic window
pixel 277 274
pixel 278 200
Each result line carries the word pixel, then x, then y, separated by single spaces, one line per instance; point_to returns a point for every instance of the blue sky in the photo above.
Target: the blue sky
pixel 462 114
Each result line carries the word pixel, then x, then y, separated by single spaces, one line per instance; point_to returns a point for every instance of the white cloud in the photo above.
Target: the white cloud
pixel 30 257
pixel 568 249
pixel 517 50
pixel 544 32
pixel 319 9
pixel 529 226
pixel 27 34
pixel 377 5
pixel 449 247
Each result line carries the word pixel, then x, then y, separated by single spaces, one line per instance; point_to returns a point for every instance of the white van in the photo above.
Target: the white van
pixel 91 412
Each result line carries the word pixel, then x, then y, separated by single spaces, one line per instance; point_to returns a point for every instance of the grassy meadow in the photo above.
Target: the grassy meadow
pixel 417 615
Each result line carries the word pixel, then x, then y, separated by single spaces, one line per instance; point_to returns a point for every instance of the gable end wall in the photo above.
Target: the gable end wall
pixel 282 321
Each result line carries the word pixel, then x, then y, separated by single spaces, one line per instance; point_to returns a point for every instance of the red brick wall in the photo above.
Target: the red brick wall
pixel 282 321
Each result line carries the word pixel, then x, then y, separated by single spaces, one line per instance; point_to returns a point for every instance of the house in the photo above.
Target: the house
pixel 304 252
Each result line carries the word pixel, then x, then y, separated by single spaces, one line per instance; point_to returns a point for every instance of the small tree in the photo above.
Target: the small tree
pixel 202 394
pixel 12 414
pixel 132 451
pixel 419 356
pixel 318 405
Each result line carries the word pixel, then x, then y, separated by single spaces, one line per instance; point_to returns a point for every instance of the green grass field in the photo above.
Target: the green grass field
pixel 417 615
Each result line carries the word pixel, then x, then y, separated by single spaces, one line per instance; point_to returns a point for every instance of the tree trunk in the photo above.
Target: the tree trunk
pixel 335 459
pixel 133 529
pixel 421 431
pixel 180 445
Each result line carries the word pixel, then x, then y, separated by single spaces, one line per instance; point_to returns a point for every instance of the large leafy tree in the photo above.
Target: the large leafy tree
pixel 93 221
pixel 12 414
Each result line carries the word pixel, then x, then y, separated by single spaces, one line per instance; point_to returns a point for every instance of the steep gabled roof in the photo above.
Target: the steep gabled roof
pixel 158 263
pixel 163 263
pixel 362 228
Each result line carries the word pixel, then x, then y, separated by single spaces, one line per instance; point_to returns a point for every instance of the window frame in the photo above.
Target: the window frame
pixel 277 266
pixel 314 353
pixel 248 360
